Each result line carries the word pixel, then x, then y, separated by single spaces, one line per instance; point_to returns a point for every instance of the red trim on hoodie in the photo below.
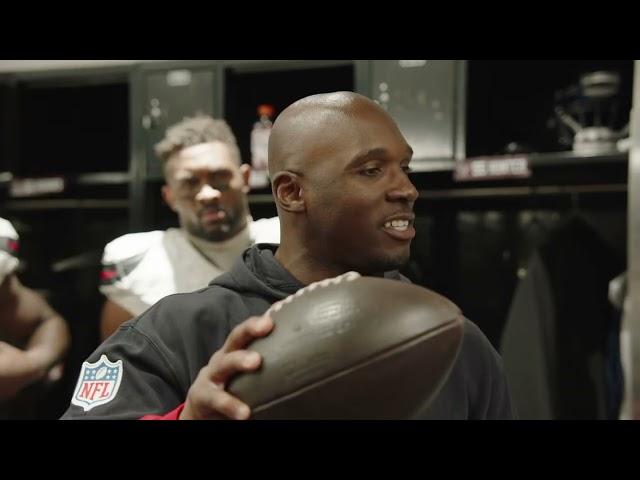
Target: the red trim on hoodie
pixel 172 415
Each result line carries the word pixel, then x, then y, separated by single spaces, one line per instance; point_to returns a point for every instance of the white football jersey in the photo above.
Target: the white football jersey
pixel 138 269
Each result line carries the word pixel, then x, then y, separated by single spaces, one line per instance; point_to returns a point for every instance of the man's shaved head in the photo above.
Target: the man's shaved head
pixel 306 127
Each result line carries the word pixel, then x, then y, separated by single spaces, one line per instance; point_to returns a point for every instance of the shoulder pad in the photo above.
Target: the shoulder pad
pixel 130 245
pixel 123 254
pixel 7 230
pixel 8 237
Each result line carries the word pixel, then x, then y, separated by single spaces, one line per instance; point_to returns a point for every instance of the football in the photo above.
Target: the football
pixel 353 347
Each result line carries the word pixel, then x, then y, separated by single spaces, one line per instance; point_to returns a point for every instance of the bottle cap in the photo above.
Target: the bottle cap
pixel 266 109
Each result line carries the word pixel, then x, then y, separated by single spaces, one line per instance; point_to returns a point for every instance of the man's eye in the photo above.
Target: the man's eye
pixel 371 172
pixel 191 182
pixel 407 169
pixel 220 186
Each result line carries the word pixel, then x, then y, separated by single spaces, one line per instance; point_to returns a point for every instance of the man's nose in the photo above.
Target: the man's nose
pixel 403 190
pixel 208 194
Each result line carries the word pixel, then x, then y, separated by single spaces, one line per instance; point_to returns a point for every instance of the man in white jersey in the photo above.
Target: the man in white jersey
pixel 206 185
pixel 34 339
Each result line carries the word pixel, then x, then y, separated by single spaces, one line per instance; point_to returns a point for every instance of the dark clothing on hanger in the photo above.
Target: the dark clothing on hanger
pixel 559 357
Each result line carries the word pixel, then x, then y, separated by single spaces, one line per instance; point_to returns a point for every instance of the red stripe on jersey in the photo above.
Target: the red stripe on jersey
pixel 108 274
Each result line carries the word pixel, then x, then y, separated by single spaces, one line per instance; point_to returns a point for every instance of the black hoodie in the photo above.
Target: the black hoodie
pixel 148 365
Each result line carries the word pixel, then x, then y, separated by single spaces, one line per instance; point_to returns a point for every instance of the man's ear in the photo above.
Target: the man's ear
pixel 245 171
pixel 168 197
pixel 287 191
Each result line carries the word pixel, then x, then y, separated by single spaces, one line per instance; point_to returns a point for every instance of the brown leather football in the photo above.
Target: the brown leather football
pixel 353 347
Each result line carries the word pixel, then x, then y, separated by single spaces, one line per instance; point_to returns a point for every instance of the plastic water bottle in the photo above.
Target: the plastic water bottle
pixel 260 147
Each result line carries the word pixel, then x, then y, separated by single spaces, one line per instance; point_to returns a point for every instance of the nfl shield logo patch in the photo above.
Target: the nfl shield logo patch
pixel 98 383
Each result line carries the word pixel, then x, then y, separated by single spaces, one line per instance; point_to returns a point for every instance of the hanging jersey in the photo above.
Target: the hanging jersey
pixel 138 269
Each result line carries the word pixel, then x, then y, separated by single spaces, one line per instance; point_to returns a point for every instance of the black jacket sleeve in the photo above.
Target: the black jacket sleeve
pixel 144 384
pixel 477 387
